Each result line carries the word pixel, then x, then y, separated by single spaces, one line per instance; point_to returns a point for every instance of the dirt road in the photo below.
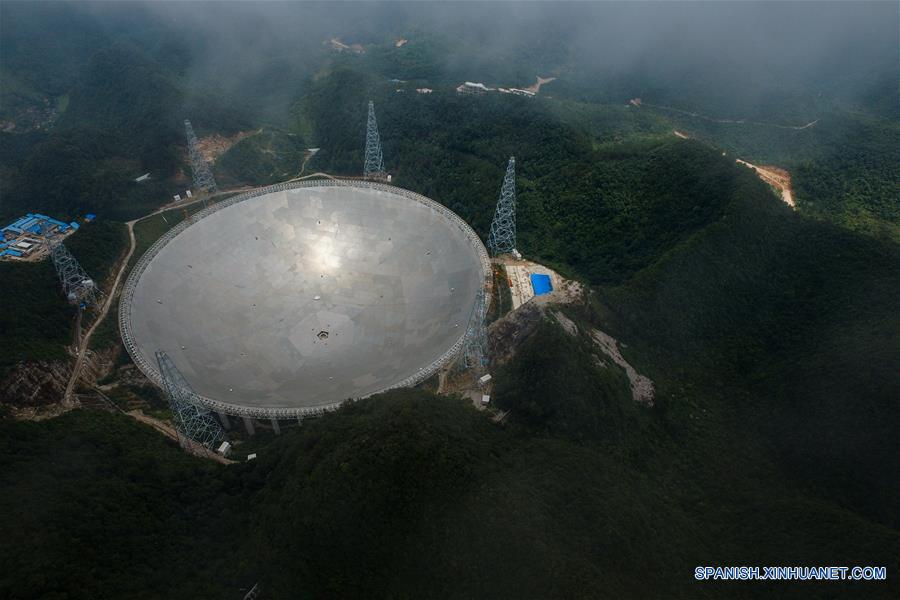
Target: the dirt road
pixel 536 86
pixel 82 347
pixel 642 390
pixel 85 341
pixel 728 121
pixel 777 178
pixel 167 430
pixel 774 176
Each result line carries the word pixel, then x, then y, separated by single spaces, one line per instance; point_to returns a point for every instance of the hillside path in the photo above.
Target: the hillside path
pixel 82 347
pixel 85 341
pixel 777 178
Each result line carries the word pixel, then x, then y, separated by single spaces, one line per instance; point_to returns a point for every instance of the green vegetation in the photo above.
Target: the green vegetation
pixel 770 335
pixel 410 494
pixel 843 167
pixel 39 325
pixel 597 401
pixel 97 246
pixel 261 159
pixel 501 297
pixel 777 328
pixel 106 335
pixel 102 507
pixel 604 212
pixel 123 115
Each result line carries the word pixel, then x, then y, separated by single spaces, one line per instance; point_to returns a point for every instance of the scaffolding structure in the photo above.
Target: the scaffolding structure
pixel 203 177
pixel 374 167
pixel 192 422
pixel 77 286
pixel 503 228
pixel 475 354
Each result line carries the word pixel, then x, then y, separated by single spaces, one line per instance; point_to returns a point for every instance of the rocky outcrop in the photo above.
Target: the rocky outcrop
pixel 98 364
pixel 35 389
pixel 507 334
pixel 35 384
pixel 642 390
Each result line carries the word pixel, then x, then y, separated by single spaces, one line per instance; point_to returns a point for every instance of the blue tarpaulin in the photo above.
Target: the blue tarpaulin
pixel 541 284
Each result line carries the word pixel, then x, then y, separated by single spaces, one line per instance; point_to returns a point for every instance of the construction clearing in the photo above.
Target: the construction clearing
pixel 528 279
pixel 29 238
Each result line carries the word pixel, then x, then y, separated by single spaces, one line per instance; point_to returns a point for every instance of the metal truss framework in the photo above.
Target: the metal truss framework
pixel 374 167
pixel 77 286
pixel 203 177
pixel 192 421
pixel 291 413
pixel 503 227
pixel 475 355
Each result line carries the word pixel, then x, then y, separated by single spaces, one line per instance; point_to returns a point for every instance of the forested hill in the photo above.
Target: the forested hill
pixel 771 335
pixel 118 112
pixel 768 335
pixel 605 211
pixel 98 94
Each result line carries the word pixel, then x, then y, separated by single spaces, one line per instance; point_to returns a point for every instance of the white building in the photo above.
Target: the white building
pixel 472 88
pixel 518 92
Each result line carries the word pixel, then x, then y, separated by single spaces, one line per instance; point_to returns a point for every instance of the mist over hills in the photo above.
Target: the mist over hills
pixel 771 333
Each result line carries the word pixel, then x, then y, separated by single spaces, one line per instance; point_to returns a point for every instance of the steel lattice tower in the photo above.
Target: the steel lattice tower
pixel 191 421
pixel 503 227
pixel 77 286
pixel 374 167
pixel 203 177
pixel 475 351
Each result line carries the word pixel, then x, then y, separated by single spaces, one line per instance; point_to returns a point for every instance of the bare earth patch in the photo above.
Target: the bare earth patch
pixel 567 323
pixel 536 87
pixel 507 333
pixel 777 178
pixel 641 386
pixel 169 431
pixel 214 146
pixel 337 44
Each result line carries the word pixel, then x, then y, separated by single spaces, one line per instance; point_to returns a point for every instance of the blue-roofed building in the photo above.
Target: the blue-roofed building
pixel 31 230
pixel 90 217
pixel 541 284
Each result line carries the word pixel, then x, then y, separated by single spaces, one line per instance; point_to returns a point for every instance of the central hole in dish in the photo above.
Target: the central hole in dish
pixel 322 335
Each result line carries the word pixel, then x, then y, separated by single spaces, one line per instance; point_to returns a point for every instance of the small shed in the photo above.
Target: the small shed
pixel 224 449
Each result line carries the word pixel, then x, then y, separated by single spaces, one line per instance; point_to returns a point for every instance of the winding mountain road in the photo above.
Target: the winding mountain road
pixel 85 341
pixel 82 347
pixel 730 121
